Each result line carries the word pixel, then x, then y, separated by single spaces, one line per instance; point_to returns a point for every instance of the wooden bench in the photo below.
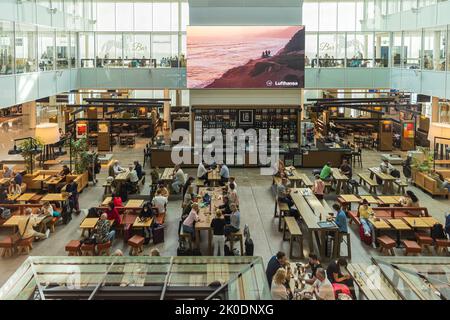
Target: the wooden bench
pixel 136 243
pixel 401 186
pixel 364 179
pixel 104 248
pixel 387 245
pixel 73 248
pixel 353 215
pixel 7 245
pixel 328 185
pixel 412 247
pixel 424 241
pixel 291 226
pixel 25 245
pixel 306 182
pixel 108 189
pixel 281 208
pixel 441 246
pixel 237 236
pixel 87 249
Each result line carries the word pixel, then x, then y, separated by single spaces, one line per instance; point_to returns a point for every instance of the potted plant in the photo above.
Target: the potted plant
pixel 80 155
pixel 423 163
pixel 29 148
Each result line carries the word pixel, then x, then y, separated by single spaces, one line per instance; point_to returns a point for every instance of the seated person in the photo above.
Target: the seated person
pixel 336 273
pixel 365 213
pixel 14 188
pixel 18 178
pixel 409 199
pixel 146 213
pixel 441 182
pixel 65 171
pixel 160 202
pixel 202 172
pixel 7 172
pixel 117 168
pixel 318 187
pixel 283 192
pixel 232 181
pixel 340 219
pixel 280 168
pixel 48 209
pixel 116 200
pixel 188 223
pixel 189 182
pixel 189 196
pixel 278 288
pixel 225 207
pixel 179 179
pixel 134 178
pixel 346 169
pixel 447 223
pixel 232 194
pixel 138 168
pixel 235 221
pixel 102 230
pixel 276 262
pixel 386 167
pixel 326 172
pixel 26 225
pixel 313 264
pixel 4 195
pixel 323 290
pixel 224 174
pixel 113 214
pixel 162 189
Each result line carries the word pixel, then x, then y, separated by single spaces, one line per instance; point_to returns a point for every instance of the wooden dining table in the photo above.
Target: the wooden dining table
pixel 387 180
pixel 167 175
pixel 294 176
pixel 399 225
pixel 389 200
pixel 134 203
pixel 340 179
pixel 25 197
pixel 88 224
pixel 214 176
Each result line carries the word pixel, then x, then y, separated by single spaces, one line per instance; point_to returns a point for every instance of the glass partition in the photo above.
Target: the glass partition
pixel 26 53
pixel 6 48
pixel 109 50
pixel 73 50
pixel 360 50
pixel 412 43
pixel 138 277
pixel 136 50
pixel 311 57
pixel 46 49
pixel 62 50
pixel 397 54
pixel 382 49
pixel 87 49
pixel 143 16
pixel 331 50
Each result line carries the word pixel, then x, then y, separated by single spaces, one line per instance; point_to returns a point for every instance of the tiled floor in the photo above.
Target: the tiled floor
pixel 257 204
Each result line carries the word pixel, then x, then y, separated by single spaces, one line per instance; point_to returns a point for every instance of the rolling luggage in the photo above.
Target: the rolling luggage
pixel 366 239
pixel 249 247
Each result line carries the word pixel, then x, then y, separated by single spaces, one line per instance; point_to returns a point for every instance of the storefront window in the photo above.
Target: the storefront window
pixel 25 48
pixel 6 48
pixel 62 50
pixel 46 49
pixel 360 50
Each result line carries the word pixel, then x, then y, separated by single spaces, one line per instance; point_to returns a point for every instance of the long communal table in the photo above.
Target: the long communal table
pixel 388 180
pixel 313 211
pixel 340 179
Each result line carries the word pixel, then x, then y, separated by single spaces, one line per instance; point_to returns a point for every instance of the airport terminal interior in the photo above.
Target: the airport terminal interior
pixel 225 149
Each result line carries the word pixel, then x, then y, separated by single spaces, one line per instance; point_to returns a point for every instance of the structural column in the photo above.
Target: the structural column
pixel 166 116
pixel 29 114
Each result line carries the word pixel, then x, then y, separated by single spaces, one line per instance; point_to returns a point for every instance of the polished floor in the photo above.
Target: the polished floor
pixel 256 201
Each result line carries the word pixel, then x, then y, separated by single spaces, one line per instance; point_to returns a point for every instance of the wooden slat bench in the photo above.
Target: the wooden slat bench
pixel 412 247
pixel 281 208
pixel 364 179
pixel 401 186
pixel 353 215
pixel 387 244
pixel 291 226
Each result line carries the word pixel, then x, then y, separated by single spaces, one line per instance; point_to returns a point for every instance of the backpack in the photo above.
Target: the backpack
pixel 93 213
pixel 5 213
pixel 395 173
pixel 249 245
pixel 339 289
pixel 437 232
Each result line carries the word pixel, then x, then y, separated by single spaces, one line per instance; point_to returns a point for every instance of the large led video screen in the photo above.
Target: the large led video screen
pixel 245 57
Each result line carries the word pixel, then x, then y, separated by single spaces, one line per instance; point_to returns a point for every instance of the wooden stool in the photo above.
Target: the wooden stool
pixel 25 245
pixel 283 209
pixel 186 237
pixel 87 249
pixel 387 244
pixel 411 247
pixel 136 242
pixel 8 247
pixel 441 246
pixel 73 248
pixel 52 224
pixel 349 245
pixel 291 226
pixel 104 248
pixel 235 237
pixel 424 241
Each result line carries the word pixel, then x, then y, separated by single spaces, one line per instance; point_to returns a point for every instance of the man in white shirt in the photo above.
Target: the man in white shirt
pixel 224 174
pixel 323 289
pixel 202 173
pixel 133 175
pixel 117 168
pixel 160 202
pixel 179 179
pixel 386 167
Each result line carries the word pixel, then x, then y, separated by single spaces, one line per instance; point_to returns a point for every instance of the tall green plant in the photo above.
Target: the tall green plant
pixel 425 163
pixel 80 156
pixel 28 151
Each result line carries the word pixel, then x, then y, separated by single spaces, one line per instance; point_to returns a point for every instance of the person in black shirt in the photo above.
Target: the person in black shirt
pixel 276 262
pixel 146 213
pixel 314 264
pixel 4 195
pixel 346 169
pixel 218 226
pixel 138 168
pixel 72 189
pixel 189 181
pixel 65 171
pixel 335 274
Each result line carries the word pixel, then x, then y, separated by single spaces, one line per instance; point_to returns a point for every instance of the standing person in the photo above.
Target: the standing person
pixel 224 174
pixel 138 168
pixel 188 183
pixel 276 262
pixel 235 220
pixel 323 289
pixel 318 187
pixel 218 226
pixel 278 288
pixel 102 231
pixel 179 179
pixel 340 219
pixel 188 223
pixel 74 204
pixel 62 136
pixel 326 172
pixel 335 274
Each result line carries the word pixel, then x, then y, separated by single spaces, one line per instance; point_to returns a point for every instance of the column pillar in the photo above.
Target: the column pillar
pixel 29 114
pixel 436 50
pixel 166 116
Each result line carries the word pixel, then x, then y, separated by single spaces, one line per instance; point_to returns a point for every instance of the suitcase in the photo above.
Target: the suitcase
pixel 366 239
pixel 66 214
pixel 158 234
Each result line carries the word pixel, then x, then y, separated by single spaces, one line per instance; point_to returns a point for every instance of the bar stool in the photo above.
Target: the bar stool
pixel 357 157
